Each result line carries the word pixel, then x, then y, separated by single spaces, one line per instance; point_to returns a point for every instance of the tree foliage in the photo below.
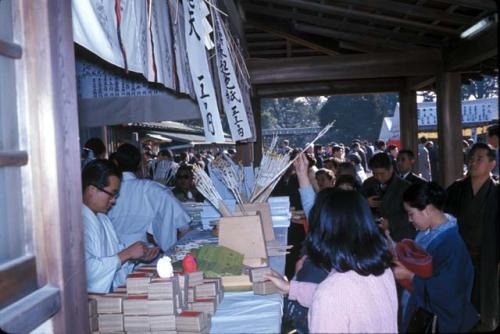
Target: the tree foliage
pixel 290 112
pixel 478 89
pixel 481 89
pixel 357 116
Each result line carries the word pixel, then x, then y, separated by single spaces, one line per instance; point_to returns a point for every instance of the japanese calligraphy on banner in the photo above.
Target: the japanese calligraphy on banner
pixel 195 33
pixel 94 81
pixel 230 88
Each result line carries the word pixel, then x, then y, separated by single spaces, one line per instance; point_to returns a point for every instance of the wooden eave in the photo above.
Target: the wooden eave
pixel 345 46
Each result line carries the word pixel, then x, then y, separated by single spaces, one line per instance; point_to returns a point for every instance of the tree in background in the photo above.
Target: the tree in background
pixel 291 112
pixel 481 89
pixel 485 88
pixel 358 116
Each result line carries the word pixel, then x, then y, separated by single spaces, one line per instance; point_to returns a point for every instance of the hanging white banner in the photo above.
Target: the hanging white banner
pixel 202 80
pixel 230 88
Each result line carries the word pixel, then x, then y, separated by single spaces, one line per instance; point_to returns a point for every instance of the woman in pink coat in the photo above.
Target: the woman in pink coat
pixel 359 294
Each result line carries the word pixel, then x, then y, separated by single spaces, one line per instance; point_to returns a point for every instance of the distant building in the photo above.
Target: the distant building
pixel 476 116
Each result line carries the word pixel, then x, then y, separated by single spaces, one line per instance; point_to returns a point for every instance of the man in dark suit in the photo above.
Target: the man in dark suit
pixel 406 161
pixel 384 192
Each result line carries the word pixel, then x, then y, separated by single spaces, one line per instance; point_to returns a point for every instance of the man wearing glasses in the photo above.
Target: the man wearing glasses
pixel 107 261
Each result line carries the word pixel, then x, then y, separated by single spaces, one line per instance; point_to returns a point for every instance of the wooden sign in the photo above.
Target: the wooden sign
pixel 265 213
pixel 244 235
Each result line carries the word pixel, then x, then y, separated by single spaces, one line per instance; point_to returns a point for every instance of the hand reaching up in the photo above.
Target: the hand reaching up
pixel 301 168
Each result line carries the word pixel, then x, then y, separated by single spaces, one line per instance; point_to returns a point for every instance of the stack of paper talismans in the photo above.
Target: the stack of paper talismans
pixel 260 285
pixel 192 322
pixel 93 317
pixel 167 289
pixel 138 282
pixel 109 308
pixel 203 295
pixel 149 304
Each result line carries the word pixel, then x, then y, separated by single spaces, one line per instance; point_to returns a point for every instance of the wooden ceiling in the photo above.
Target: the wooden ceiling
pixel 278 31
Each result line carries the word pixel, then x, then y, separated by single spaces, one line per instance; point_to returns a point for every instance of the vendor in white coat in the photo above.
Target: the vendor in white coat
pixel 107 261
pixel 145 206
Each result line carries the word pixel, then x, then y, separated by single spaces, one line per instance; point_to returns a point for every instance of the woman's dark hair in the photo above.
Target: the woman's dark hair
pixel 419 195
pixel 346 179
pixel 343 235
pixel 128 158
pixel 97 172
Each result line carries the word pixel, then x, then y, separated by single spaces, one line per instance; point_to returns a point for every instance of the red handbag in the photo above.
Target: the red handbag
pixel 415 259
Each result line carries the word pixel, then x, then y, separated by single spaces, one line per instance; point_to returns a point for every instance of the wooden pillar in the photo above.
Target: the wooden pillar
pixel 449 116
pixel 408 127
pixel 50 96
pixel 257 146
pixel 244 153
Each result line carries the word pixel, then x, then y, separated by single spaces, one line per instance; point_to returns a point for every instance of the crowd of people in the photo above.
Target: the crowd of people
pixel 339 275
pixel 344 274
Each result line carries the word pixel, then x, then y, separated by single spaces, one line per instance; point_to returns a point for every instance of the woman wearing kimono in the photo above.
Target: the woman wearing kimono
pixel 447 293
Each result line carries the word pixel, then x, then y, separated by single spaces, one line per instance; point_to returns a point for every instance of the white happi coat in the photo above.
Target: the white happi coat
pixel 104 268
pixel 147 206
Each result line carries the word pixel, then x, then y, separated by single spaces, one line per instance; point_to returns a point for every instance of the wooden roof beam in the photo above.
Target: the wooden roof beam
pixel 292 38
pixel 357 66
pixel 413 10
pixel 362 47
pixel 339 87
pixel 471 52
pixel 335 34
pixel 420 82
pixel 476 4
pixel 341 25
pixel 336 10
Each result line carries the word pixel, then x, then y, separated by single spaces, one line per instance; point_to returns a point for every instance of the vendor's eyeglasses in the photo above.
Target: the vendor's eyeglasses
pixel 115 195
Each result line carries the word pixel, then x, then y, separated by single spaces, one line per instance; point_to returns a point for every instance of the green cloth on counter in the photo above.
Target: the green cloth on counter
pixel 217 261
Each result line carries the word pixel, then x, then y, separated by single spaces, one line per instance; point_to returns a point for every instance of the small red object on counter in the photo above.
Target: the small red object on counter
pixel 189 264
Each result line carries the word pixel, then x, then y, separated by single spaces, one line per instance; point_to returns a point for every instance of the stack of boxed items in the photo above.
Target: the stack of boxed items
pixel 202 297
pixel 181 304
pixel 260 285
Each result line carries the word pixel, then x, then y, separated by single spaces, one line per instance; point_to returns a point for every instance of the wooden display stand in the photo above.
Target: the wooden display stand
pixel 244 235
pixel 265 213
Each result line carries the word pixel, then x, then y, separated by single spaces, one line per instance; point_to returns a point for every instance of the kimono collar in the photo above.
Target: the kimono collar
pixel 86 211
pixel 128 176
pixel 424 238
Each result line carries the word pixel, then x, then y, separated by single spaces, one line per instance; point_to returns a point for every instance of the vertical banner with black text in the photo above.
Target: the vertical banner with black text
pixel 230 89
pixel 202 80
